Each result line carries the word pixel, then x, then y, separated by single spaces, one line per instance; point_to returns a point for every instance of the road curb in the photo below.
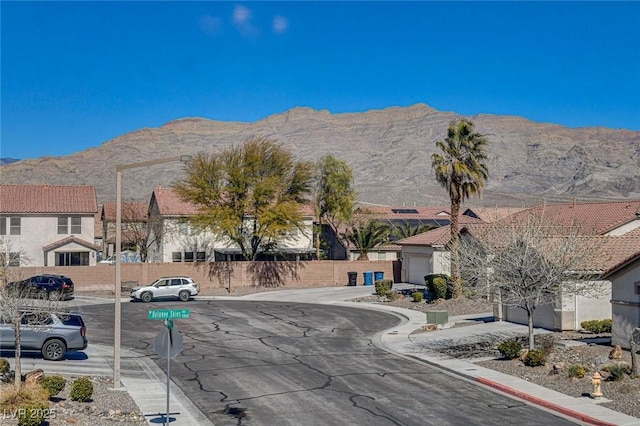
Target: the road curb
pixel 539 401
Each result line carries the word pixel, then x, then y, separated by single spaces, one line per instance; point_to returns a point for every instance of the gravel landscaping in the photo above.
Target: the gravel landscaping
pixel 107 407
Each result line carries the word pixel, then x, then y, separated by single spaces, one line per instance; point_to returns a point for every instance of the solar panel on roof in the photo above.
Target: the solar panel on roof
pixel 405 211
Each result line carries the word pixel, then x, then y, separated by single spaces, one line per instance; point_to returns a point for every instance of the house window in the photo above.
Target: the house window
pixel 76 225
pixel 3 225
pixel 62 225
pixel 15 226
pixel 176 256
pixel 65 222
pixel 637 287
pixel 72 258
pixel 188 256
pixel 201 256
pixel 382 255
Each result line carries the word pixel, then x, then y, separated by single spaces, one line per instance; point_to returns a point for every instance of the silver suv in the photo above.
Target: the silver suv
pixel 169 287
pixel 51 334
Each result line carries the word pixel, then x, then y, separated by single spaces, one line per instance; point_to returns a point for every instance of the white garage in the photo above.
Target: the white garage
pixel 424 254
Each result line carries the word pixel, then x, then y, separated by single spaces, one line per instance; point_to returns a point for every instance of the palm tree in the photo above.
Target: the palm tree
pixel 365 236
pixel 460 168
pixel 406 230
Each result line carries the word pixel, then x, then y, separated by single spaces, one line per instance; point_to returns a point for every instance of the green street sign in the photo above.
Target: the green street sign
pixel 169 314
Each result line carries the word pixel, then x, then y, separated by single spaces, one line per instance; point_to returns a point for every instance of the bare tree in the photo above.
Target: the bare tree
pixel 19 304
pixel 528 261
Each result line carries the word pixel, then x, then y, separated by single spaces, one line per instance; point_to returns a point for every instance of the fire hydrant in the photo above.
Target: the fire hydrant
pixel 597 384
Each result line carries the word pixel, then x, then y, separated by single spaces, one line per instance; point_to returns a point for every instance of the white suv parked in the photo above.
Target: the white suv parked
pixel 181 287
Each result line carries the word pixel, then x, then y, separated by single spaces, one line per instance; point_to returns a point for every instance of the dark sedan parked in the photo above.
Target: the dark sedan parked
pixel 52 287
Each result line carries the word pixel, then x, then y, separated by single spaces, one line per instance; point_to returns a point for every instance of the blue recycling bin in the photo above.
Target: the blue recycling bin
pixel 368 277
pixel 379 275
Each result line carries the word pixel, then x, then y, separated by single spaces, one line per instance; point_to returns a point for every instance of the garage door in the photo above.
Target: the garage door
pixel 417 268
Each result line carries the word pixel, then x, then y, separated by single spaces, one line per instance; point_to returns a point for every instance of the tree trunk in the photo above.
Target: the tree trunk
pixel 318 231
pixel 18 366
pixel 455 257
pixel 532 344
pixel 635 369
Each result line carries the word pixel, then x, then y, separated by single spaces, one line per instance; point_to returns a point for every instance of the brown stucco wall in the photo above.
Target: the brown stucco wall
pixel 312 274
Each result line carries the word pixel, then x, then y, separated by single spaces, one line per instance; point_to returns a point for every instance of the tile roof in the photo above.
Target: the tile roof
pixel 492 214
pixel 47 199
pixel 132 211
pixel 170 204
pixel 434 237
pixel 438 236
pixel 68 240
pixel 594 218
pixel 616 251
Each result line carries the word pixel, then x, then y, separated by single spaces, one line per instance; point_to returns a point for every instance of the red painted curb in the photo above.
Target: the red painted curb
pixel 538 401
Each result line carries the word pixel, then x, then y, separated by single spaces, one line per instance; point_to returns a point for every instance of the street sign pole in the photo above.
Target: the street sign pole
pixel 169 325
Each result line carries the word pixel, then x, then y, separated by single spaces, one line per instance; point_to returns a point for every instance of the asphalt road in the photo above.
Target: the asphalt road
pixel 268 363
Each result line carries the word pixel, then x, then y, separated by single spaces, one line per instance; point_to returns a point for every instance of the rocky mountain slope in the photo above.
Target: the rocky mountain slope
pixel 389 151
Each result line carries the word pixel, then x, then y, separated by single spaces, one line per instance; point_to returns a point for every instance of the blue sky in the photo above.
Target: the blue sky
pixel 77 74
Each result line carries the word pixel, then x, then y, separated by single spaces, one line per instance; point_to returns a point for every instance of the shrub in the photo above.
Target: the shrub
pixel 81 390
pixel 383 287
pixel 12 398
pixel 510 349
pixel 417 296
pixel 535 357
pixel 577 371
pixel 597 326
pixel 32 413
pixel 438 285
pixel 617 371
pixel 53 384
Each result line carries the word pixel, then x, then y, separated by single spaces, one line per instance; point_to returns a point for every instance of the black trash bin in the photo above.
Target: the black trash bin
pixel 353 276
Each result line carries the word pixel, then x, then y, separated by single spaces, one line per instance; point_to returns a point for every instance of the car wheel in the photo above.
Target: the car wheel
pixel 54 295
pixel 54 350
pixel 184 296
pixel 146 297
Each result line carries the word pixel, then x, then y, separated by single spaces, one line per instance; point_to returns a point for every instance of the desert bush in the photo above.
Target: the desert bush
pixel 417 296
pixel 597 326
pixel 617 371
pixel 577 371
pixel 12 398
pixel 510 349
pixel 438 285
pixel 53 384
pixel 383 287
pixel 32 413
pixel 81 390
pixel 535 358
pixel 546 343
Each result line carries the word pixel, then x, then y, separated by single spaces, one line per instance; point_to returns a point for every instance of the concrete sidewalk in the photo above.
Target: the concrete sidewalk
pixel 422 346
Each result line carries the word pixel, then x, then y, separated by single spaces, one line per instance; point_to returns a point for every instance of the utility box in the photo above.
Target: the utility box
pixel 437 317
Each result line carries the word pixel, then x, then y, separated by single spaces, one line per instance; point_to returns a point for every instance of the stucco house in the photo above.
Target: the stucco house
pixel 625 292
pixel 46 225
pixel 176 240
pixel 613 225
pixel 400 217
pixel 134 226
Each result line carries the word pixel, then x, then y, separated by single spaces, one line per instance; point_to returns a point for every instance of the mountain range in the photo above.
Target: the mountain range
pixel 389 151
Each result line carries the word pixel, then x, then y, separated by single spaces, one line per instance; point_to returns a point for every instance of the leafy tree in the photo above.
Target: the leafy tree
pixel 461 168
pixel 21 305
pixel 367 235
pixel 252 194
pixel 528 262
pixel 334 196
